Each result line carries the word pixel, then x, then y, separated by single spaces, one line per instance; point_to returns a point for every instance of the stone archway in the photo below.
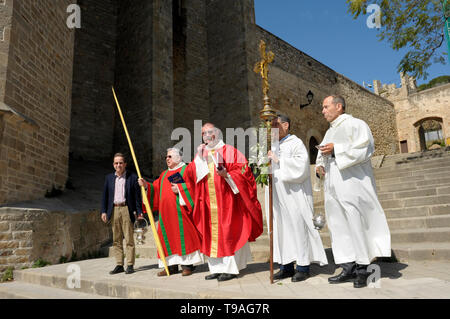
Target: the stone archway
pixel 313 138
pixel 429 132
pixel 313 150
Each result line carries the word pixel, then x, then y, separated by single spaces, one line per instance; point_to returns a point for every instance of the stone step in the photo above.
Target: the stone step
pixel 429 251
pixel 143 284
pixel 391 164
pixel 410 179
pixel 416 201
pixel 23 290
pixel 403 236
pixel 401 159
pixel 417 211
pixel 426 251
pixel 419 222
pixel 440 190
pixel 411 185
pixel 407 212
pixel 414 222
pixel 444 161
pixel 412 171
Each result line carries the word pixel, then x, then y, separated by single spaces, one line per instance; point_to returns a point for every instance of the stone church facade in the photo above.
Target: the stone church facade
pixel 171 62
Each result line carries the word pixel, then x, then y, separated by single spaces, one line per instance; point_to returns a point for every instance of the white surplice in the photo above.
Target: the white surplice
pixel 294 236
pixel 357 223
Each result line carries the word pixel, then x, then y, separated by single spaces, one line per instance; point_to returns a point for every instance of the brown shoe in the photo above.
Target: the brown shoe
pixel 186 272
pixel 162 273
pixel 172 270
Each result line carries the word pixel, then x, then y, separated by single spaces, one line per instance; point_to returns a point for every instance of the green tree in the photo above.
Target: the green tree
pixel 414 24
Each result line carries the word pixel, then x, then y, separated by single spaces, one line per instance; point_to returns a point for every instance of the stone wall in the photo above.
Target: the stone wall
pixel 37 87
pixel 29 234
pixel 190 56
pixel 93 106
pixel 294 73
pixel 418 106
pixel 227 63
pixel 144 80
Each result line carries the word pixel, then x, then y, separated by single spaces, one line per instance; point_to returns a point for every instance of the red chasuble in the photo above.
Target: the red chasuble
pixel 176 230
pixel 226 220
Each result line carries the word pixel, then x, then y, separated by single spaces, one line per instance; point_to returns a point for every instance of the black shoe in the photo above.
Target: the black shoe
pixel 342 277
pixel 361 281
pixel 300 276
pixel 117 270
pixel 225 277
pixel 283 274
pixel 212 276
pixel 129 270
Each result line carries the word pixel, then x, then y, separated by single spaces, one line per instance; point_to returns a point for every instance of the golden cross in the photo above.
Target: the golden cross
pixel 262 67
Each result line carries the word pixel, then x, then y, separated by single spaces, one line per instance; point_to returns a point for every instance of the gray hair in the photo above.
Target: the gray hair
pixel 176 150
pixel 339 99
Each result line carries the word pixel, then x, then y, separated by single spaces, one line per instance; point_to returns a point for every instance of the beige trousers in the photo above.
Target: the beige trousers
pixel 123 228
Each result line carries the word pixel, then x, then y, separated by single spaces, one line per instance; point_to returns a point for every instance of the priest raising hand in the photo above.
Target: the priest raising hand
pixel 226 208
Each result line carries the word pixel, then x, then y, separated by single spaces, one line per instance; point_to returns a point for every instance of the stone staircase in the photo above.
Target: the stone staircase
pixel 414 190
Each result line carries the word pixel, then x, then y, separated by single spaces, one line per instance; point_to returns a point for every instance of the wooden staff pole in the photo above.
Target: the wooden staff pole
pixel 144 194
pixel 269 147
pixel 267 114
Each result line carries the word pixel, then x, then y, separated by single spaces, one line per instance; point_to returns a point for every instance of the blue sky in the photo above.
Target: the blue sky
pixel 328 33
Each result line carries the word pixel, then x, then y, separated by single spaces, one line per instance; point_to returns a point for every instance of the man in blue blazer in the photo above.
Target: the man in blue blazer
pixel 121 203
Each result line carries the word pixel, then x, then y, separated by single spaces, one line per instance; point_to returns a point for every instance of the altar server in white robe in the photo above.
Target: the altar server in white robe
pixel 357 223
pixel 295 238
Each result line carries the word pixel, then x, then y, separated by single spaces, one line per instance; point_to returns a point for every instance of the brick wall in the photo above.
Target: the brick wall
pixel 38 85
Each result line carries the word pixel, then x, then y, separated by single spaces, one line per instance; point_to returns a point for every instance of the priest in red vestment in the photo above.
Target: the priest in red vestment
pixel 226 208
pixel 173 199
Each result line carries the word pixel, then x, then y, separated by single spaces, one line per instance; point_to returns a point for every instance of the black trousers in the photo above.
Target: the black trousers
pixel 354 268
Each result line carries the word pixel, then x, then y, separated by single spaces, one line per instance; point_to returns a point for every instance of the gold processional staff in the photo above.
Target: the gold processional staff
pixel 144 194
pixel 267 114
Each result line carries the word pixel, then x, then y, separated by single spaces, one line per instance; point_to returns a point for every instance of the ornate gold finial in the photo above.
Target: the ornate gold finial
pixel 262 67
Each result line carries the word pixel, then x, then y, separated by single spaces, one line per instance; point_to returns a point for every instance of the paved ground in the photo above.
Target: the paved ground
pixel 421 280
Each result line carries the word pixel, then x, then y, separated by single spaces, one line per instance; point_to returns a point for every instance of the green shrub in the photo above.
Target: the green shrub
pixel 8 275
pixel 40 263
pixel 434 82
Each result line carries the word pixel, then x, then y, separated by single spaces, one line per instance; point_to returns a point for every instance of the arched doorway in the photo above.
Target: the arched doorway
pixel 313 150
pixel 430 133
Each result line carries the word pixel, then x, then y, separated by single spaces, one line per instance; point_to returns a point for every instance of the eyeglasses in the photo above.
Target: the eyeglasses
pixel 211 132
pixel 169 156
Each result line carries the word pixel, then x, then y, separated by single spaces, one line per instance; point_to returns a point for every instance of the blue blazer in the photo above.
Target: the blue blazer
pixel 133 195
